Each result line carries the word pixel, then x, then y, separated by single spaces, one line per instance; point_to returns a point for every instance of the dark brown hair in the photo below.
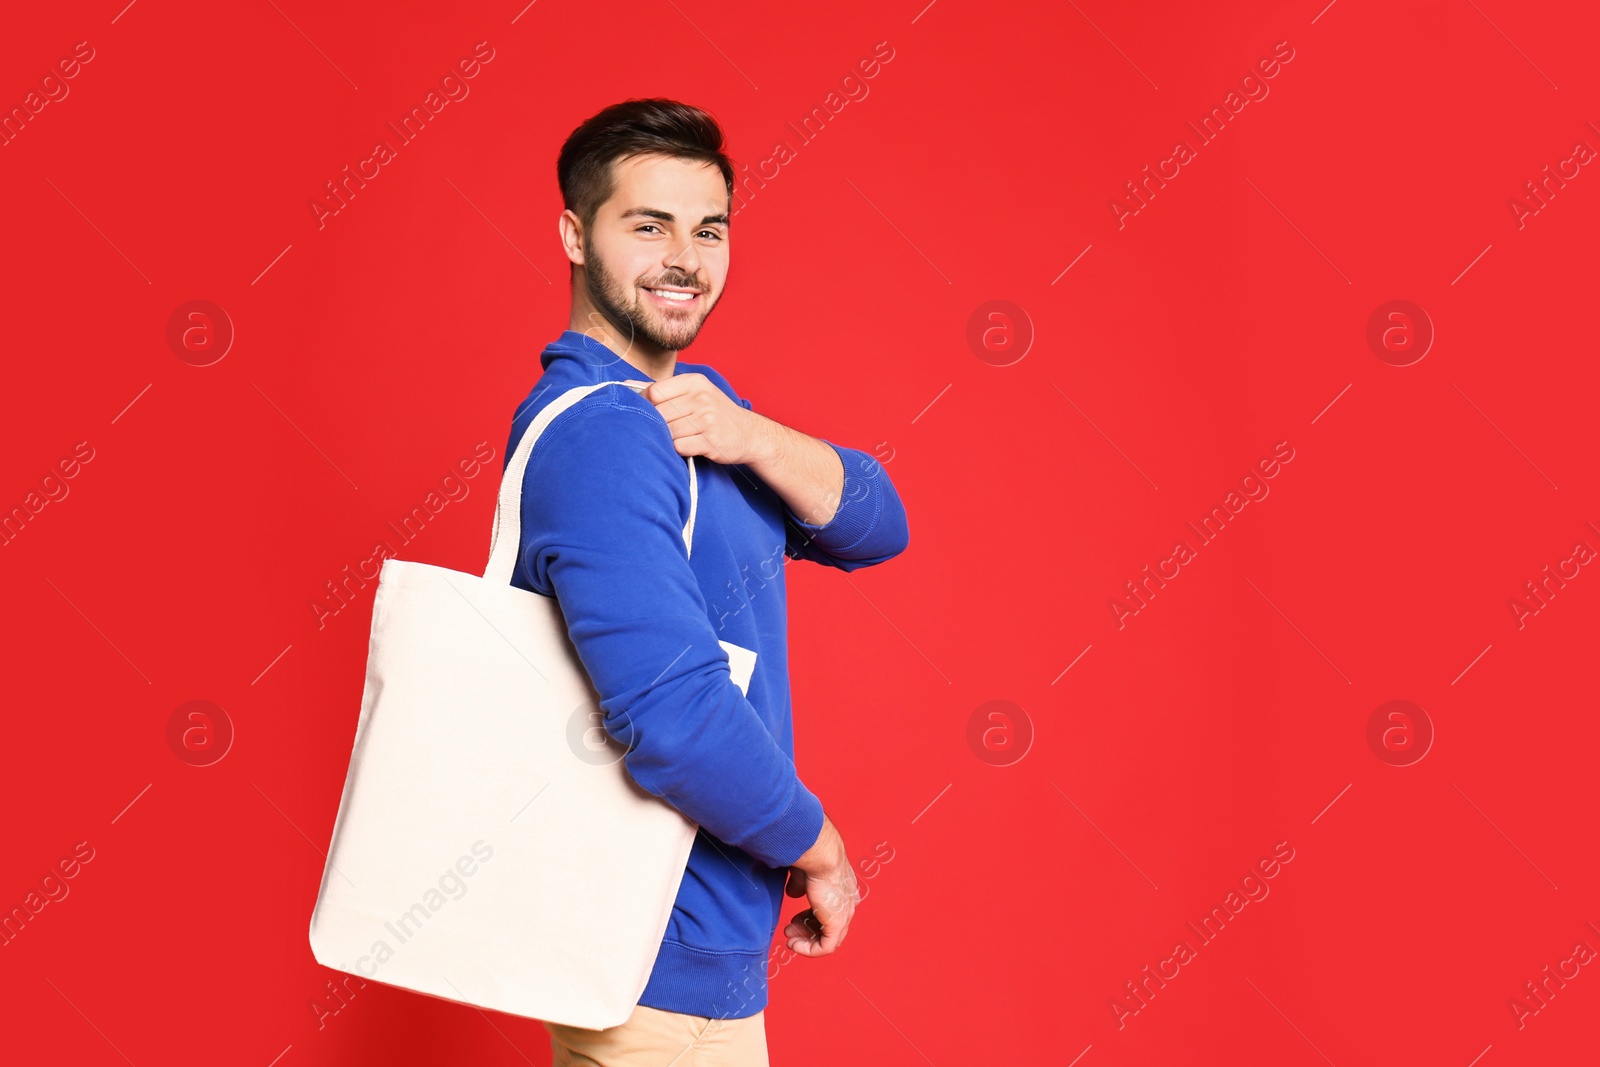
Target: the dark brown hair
pixel 631 128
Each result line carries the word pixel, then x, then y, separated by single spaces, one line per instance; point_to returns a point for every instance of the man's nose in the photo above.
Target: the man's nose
pixel 685 259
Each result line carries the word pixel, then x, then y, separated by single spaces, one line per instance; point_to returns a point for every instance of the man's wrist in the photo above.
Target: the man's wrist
pixel 821 856
pixel 768 446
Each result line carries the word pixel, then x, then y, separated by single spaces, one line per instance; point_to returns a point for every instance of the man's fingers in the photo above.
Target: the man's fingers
pixel 804 924
pixel 818 946
pixel 669 388
pixel 810 936
pixel 805 928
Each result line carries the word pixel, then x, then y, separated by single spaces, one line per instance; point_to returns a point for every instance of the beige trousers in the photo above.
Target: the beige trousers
pixel 655 1038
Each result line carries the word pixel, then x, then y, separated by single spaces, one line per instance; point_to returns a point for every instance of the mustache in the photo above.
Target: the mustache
pixel 675 283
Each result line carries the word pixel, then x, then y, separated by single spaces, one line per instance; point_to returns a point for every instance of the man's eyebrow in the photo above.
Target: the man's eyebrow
pixel 667 216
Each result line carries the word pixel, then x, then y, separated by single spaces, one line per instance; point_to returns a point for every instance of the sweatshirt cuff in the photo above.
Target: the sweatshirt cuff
pixel 786 839
pixel 857 513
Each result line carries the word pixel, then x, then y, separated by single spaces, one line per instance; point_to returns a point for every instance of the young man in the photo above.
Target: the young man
pixel 605 503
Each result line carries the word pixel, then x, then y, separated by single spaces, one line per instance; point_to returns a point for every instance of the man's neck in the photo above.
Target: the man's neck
pixel 650 360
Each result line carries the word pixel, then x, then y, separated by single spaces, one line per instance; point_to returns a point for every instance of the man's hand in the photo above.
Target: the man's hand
pixel 705 422
pixel 807 473
pixel 824 876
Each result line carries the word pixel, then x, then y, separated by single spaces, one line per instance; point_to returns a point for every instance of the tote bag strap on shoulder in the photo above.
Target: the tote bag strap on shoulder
pixel 506 538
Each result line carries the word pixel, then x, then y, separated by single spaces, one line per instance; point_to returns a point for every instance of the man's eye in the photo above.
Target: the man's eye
pixel 713 233
pixel 647 226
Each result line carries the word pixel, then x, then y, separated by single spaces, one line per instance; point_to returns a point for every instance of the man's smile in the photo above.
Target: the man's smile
pixel 671 296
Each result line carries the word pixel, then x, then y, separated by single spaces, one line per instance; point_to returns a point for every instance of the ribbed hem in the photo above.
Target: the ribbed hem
pixel 718 985
pixel 857 512
pixel 786 838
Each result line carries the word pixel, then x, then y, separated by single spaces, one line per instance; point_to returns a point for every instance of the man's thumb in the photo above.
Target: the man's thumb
pixel 797 883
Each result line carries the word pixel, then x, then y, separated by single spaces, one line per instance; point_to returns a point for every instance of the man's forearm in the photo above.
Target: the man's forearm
pixel 802 470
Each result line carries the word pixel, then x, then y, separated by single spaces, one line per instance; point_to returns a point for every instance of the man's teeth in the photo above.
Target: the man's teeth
pixel 673 296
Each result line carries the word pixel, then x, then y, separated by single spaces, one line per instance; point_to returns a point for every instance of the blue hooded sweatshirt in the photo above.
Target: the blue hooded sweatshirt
pixel 604 503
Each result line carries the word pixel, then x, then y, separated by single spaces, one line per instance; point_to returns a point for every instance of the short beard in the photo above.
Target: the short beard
pixel 619 304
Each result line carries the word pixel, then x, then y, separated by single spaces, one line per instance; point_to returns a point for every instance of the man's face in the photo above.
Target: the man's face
pixel 664 231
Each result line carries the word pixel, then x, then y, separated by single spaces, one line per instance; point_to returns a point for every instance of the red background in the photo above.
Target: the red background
pixel 1229 314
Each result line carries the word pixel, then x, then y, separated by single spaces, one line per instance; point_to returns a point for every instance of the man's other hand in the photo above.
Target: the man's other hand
pixel 824 876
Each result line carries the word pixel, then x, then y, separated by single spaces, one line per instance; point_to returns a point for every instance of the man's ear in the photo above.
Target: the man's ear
pixel 571 230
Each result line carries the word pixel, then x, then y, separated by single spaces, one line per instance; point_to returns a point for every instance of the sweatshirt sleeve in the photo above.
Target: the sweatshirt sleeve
pixel 605 499
pixel 869 525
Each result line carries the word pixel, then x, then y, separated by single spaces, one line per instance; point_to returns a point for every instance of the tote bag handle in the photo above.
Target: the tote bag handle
pixel 506 537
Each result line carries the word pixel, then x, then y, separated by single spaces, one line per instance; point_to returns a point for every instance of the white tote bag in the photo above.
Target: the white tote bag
pixel 490 847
